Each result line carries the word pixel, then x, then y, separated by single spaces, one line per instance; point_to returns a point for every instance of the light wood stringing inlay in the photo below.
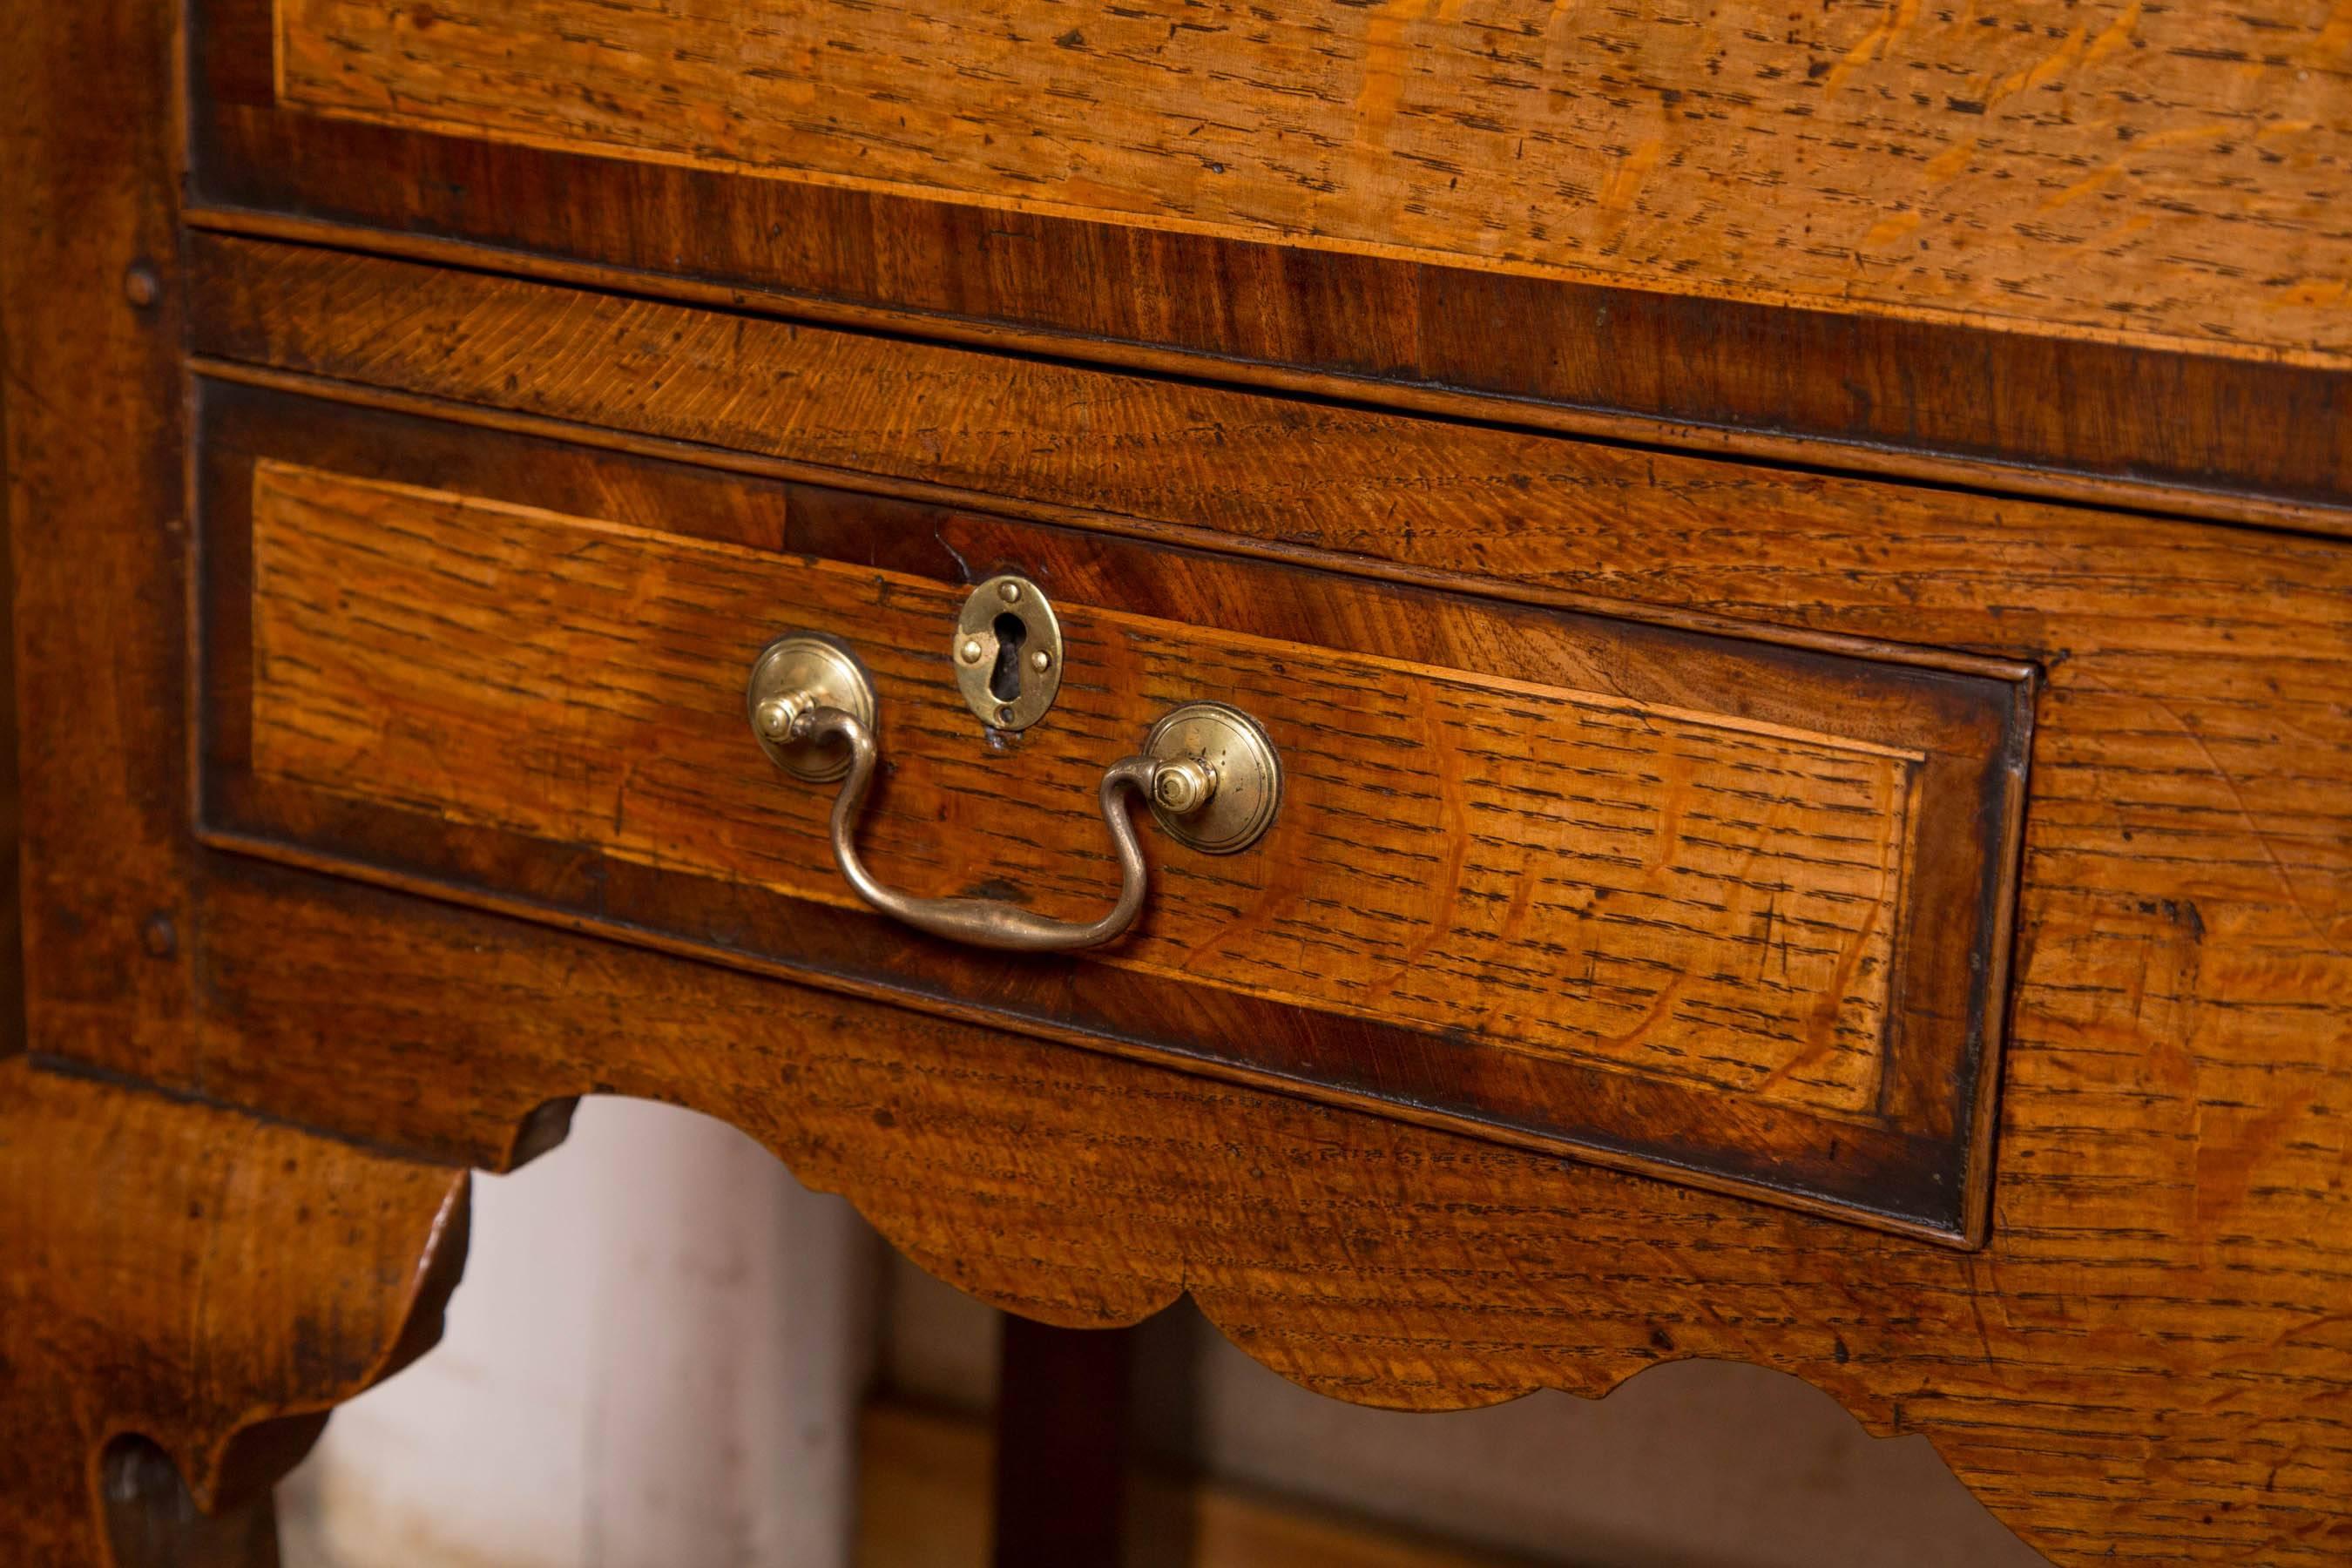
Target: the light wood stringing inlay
pixel 1689 897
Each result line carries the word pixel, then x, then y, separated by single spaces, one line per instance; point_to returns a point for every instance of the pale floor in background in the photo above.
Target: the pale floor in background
pixel 924 1483
pixel 1692 1464
pixel 659 1355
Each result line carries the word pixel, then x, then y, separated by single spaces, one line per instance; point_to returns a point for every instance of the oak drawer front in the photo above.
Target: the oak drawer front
pixel 1853 160
pixel 1913 236
pixel 1732 911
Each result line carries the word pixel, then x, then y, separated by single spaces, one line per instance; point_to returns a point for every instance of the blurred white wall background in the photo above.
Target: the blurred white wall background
pixel 657 1358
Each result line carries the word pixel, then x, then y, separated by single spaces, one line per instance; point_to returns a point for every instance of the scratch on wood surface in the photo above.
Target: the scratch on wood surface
pixel 1890 228
pixel 2334 40
pixel 2115 37
pixel 2041 73
pixel 1385 67
pixel 1874 43
pixel 1627 176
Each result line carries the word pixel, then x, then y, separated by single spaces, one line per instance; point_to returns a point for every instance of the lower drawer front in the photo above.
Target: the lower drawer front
pixel 1719 906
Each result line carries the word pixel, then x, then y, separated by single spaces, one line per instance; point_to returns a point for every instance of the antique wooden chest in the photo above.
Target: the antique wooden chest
pixel 1513 689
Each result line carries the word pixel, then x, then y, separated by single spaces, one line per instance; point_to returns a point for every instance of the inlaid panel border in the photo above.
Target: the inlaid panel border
pixel 1923 1169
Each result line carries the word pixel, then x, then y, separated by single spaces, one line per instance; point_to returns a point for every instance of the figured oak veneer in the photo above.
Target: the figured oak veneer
pixel 1572 878
pixel 1616 353
pixel 2144 1362
pixel 2147 1360
pixel 2091 170
pixel 1555 871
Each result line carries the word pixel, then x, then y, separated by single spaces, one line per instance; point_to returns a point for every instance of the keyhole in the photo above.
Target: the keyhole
pixel 1004 680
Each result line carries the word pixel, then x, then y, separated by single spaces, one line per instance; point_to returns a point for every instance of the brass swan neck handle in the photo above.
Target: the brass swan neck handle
pixel 985 922
pixel 1209 772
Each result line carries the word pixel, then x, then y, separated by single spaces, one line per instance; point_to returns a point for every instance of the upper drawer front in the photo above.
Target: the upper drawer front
pixel 1723 907
pixel 1918 234
pixel 2071 168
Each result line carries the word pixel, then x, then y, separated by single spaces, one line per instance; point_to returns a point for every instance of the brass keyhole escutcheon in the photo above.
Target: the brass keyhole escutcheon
pixel 1007 652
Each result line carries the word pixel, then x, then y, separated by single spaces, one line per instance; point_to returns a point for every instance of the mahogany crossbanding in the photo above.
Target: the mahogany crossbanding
pixel 1722 909
pixel 1555 871
pixel 2091 171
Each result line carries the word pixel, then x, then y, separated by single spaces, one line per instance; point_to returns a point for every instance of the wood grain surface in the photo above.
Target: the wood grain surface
pixel 1556 871
pixel 2147 1365
pixel 11 926
pixel 93 467
pixel 1122 450
pixel 186 1287
pixel 2127 423
pixel 1600 847
pixel 2147 1360
pixel 2096 170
